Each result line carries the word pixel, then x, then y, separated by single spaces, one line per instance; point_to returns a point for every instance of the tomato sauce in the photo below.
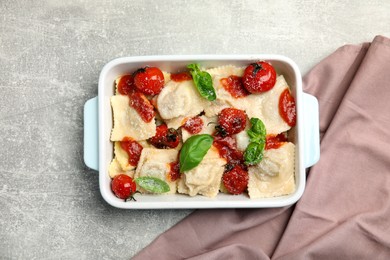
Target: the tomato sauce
pixel 287 108
pixel 275 141
pixel 133 150
pixel 193 125
pixel 233 84
pixel 227 148
pixel 174 171
pixel 142 105
pixel 165 138
pixel 179 77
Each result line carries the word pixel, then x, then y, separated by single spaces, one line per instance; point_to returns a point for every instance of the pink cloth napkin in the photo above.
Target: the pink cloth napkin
pixel 344 212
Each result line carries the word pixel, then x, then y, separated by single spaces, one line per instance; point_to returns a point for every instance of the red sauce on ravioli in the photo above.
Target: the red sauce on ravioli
pixel 275 141
pixel 174 171
pixel 233 84
pixel 142 105
pixel 227 148
pixel 179 77
pixel 133 150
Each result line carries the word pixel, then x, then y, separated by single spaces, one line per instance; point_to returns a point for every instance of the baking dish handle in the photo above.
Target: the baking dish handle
pixel 91 133
pixel 311 130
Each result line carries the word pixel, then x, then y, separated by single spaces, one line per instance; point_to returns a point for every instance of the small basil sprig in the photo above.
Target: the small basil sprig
pixel 257 132
pixel 257 135
pixel 193 151
pixel 254 153
pixel 152 184
pixel 203 82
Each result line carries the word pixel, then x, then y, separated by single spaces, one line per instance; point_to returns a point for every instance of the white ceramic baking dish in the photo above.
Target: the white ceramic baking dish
pixel 98 150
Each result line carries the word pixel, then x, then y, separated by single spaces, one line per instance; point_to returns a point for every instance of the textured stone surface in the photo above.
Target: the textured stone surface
pixel 51 53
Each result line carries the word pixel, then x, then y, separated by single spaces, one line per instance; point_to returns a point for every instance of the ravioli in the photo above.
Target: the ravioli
pixel 270 108
pixel 122 156
pixel 213 108
pixel 115 169
pixel 155 163
pixel 175 122
pixel 274 175
pixel 226 71
pixel 204 179
pixel 127 122
pixel 265 106
pixel 167 77
pixel 179 100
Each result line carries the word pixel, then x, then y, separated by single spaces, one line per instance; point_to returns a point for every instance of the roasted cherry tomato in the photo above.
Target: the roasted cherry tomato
pixel 126 85
pixel 287 108
pixel 149 80
pixel 133 150
pixel 123 186
pixel 235 180
pixel 142 105
pixel 259 77
pixel 193 125
pixel 165 138
pixel 231 121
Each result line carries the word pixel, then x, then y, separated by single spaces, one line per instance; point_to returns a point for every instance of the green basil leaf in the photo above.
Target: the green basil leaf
pixel 257 136
pixel 152 184
pixel 203 82
pixel 258 128
pixel 193 151
pixel 254 153
pixel 253 137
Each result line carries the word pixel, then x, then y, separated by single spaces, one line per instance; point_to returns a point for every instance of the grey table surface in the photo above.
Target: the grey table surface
pixel 51 54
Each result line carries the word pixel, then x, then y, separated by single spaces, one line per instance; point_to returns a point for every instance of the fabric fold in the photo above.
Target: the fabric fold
pixel 344 212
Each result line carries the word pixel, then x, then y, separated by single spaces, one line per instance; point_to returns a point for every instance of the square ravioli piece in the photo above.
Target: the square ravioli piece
pixel 115 169
pixel 204 179
pixel 179 100
pixel 265 106
pixel 274 175
pixel 223 97
pixel 155 163
pixel 122 156
pixel 127 121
